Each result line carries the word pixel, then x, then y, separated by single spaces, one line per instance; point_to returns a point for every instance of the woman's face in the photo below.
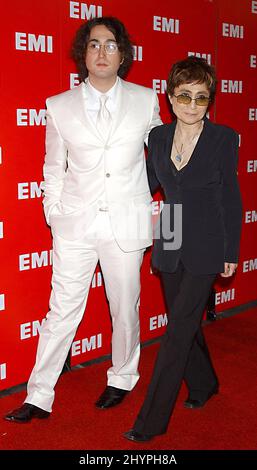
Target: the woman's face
pixel 190 113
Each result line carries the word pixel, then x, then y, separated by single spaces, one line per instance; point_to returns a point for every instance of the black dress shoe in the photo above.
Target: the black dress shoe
pixel 111 396
pixel 195 403
pixel 25 413
pixel 133 435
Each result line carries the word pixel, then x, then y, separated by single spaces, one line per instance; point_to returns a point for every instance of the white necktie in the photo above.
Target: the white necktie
pixel 103 120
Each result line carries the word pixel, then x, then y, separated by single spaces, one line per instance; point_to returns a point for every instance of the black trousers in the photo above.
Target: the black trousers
pixel 183 353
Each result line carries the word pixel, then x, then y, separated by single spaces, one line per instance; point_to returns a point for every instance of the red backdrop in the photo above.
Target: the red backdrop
pixel 35 63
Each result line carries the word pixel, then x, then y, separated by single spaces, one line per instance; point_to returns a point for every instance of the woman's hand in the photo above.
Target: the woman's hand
pixel 229 269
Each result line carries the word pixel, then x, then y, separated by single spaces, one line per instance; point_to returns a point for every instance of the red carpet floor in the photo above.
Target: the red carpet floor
pixel 229 421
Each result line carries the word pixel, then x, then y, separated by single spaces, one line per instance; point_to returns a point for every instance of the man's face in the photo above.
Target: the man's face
pixel 99 63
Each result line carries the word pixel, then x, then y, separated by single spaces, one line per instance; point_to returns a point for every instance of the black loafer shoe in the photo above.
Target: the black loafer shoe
pixel 137 436
pixel 25 413
pixel 194 403
pixel 111 396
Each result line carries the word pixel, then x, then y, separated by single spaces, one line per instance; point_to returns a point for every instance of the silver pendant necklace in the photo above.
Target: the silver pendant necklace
pixel 179 155
pixel 178 158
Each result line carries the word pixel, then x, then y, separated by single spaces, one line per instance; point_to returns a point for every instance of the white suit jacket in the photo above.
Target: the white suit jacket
pixel 80 165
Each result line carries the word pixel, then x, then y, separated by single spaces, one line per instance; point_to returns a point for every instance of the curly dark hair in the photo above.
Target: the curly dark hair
pixel 189 70
pixel 121 36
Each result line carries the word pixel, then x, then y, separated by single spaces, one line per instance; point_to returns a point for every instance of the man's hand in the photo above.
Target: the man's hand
pixel 229 269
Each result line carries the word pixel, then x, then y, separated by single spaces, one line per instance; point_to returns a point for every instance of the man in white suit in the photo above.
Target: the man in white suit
pixel 98 204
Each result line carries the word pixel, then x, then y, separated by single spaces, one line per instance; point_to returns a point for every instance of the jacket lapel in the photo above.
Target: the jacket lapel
pixel 169 140
pixel 202 143
pixel 79 109
pixel 122 106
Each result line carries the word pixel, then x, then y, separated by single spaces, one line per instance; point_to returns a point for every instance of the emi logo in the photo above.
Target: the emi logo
pixel 84 12
pixel 232 31
pixel 252 166
pixel 31 117
pixel 33 43
pixel 231 86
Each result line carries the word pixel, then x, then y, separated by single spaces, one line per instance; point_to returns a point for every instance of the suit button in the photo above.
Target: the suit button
pixel 107 175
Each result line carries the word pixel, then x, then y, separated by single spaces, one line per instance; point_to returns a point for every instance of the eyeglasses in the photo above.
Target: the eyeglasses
pixel 94 47
pixel 199 101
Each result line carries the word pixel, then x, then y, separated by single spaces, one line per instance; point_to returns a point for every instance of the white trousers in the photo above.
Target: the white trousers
pixel 74 263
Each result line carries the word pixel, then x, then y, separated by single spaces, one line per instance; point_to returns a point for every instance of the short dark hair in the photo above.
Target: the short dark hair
pixel 121 36
pixel 190 70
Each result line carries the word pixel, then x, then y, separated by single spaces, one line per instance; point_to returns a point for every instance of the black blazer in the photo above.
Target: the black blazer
pixel 208 190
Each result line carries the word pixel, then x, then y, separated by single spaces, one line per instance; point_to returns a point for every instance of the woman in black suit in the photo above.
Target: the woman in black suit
pixel 194 161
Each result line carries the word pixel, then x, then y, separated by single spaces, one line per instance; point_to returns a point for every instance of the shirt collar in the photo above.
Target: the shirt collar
pixel 93 93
